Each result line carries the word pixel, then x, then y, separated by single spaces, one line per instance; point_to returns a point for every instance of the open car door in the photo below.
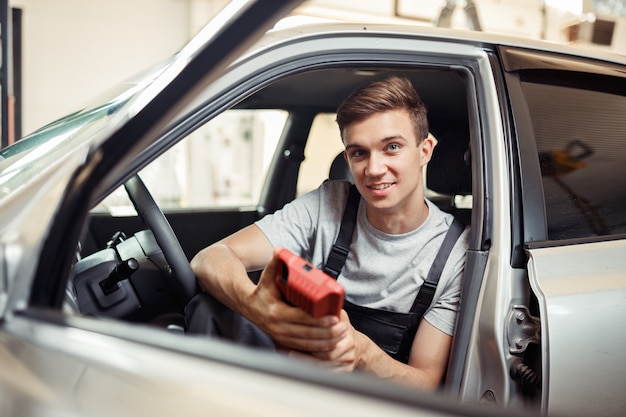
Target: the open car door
pixel 576 314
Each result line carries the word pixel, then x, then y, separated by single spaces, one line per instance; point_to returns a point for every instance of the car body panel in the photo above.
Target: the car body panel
pixel 112 374
pixel 581 290
pixel 33 207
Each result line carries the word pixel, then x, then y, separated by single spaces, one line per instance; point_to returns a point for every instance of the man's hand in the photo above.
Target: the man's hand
pixel 427 363
pixel 345 355
pixel 290 326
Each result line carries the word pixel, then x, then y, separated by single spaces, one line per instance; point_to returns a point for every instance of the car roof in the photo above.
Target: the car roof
pixel 484 39
pixel 323 89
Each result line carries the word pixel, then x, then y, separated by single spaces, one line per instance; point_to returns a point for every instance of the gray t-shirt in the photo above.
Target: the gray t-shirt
pixel 382 271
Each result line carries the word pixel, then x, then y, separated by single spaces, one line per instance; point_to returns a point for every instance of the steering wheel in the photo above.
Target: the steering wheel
pixel 154 219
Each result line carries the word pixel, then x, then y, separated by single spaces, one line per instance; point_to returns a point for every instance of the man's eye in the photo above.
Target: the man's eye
pixel 393 147
pixel 357 154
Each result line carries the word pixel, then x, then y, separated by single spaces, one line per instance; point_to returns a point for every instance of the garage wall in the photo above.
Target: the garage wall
pixel 75 49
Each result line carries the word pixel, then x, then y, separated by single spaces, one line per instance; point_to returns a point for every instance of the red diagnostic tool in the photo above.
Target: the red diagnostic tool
pixel 307 287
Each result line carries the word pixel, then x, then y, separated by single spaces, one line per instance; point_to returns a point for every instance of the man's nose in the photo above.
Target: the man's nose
pixel 376 165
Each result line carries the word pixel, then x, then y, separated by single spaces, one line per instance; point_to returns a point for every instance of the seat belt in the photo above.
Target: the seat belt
pixel 339 251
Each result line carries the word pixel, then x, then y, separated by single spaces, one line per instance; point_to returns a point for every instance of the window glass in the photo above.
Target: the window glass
pixel 221 164
pixel 581 140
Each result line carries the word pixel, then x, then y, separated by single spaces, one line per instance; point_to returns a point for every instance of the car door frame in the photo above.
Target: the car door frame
pixel 490 174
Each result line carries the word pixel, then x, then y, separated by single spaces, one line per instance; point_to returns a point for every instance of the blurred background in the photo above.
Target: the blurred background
pixel 60 55
pixel 66 52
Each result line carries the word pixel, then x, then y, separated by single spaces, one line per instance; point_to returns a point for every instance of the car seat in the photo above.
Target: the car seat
pixel 449 174
pixel 339 169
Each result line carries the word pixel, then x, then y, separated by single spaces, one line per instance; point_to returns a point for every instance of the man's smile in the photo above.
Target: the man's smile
pixel 380 186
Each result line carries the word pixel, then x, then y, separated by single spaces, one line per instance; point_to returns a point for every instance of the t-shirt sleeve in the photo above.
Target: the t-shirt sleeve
pixel 293 227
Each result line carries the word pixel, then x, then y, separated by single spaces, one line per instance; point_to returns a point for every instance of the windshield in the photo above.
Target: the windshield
pixel 64 128
pixel 69 131
pixel 26 158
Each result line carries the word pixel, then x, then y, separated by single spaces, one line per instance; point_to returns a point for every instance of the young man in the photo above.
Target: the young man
pixel 396 238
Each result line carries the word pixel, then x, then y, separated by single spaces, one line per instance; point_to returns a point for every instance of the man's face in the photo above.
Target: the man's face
pixel 386 162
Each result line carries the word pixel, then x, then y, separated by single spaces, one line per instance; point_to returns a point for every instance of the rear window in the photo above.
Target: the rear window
pixel 580 130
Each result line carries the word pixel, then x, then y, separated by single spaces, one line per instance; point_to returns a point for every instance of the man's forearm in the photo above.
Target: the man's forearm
pixel 220 273
pixel 374 360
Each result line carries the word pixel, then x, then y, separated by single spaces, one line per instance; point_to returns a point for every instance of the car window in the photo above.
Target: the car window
pixel 221 164
pixel 581 139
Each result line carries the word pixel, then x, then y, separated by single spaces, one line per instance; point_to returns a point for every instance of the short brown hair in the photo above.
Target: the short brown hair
pixel 393 93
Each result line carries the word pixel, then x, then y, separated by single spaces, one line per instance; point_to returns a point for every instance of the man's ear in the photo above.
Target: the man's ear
pixel 427 148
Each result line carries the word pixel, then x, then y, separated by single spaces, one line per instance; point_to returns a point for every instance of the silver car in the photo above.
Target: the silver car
pixel 531 154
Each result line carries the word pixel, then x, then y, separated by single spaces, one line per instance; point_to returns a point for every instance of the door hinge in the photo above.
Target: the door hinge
pixel 523 328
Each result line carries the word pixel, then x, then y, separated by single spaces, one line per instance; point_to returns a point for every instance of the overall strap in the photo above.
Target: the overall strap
pixel 427 291
pixel 339 252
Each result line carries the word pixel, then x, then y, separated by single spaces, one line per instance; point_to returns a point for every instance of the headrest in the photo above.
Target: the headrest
pixel 449 171
pixel 339 169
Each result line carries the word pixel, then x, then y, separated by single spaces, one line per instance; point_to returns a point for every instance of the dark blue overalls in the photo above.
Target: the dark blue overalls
pixel 393 332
